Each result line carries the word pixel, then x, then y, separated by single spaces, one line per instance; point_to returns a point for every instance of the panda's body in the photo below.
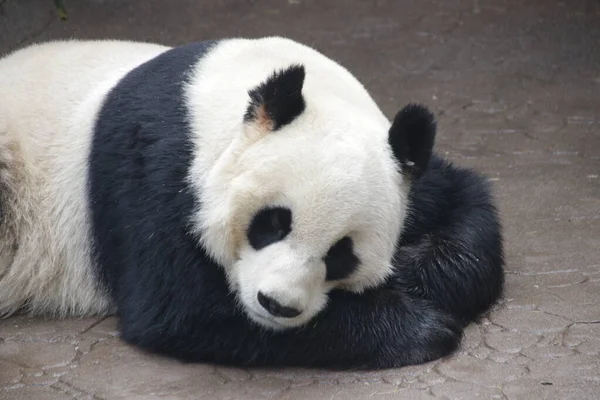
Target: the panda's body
pixel 237 201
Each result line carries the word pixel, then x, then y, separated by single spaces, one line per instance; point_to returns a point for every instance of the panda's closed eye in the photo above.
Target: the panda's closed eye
pixel 340 260
pixel 269 226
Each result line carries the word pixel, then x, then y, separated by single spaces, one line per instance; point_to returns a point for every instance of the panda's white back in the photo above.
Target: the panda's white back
pixel 49 95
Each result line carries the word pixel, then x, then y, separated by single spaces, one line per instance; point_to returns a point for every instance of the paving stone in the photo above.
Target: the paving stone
pixel 37 377
pixel 473 337
pixel 268 388
pixel 578 305
pixel 510 342
pixel 37 354
pixel 529 321
pixel 547 351
pixel 581 333
pixel 233 374
pixel 42 329
pixel 457 391
pixel 481 352
pixel 10 373
pixel 500 357
pixel 33 392
pixel 412 375
pixel 482 372
pixel 114 370
pixel 359 391
pixel 102 329
pixel 551 389
pixel 582 366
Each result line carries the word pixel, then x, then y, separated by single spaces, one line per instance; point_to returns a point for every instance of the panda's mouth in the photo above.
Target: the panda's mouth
pixel 266 322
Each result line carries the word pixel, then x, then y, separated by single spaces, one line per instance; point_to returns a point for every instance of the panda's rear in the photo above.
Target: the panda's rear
pixel 48 96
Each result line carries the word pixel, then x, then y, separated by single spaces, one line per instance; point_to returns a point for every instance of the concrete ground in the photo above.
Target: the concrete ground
pixel 516 86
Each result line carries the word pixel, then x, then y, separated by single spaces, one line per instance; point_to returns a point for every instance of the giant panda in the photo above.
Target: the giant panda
pixel 236 201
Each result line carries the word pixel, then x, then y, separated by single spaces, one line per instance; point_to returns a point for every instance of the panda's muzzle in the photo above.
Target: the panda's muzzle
pixel 275 308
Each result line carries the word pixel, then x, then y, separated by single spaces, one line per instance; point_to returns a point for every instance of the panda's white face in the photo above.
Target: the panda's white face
pixel 301 195
pixel 315 211
pixel 315 205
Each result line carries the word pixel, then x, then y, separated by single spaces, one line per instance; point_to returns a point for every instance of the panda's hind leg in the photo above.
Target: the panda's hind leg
pixel 45 266
pixel 11 212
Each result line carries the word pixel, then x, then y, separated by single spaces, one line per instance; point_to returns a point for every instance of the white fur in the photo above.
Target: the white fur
pixel 331 166
pixel 49 96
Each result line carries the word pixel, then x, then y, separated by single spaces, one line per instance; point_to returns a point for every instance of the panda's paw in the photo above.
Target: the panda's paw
pixel 425 334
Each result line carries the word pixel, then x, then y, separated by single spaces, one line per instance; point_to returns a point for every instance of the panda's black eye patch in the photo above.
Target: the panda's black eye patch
pixel 340 259
pixel 269 225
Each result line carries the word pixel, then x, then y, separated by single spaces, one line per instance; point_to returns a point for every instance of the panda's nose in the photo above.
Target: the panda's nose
pixel 275 308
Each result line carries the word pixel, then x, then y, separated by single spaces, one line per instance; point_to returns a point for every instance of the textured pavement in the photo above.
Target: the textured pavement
pixel 516 87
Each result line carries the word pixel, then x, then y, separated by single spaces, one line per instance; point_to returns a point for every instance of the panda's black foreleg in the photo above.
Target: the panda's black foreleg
pixel 381 328
pixel 451 252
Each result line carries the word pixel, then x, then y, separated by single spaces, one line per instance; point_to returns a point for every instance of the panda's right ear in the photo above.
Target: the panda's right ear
pixel 411 137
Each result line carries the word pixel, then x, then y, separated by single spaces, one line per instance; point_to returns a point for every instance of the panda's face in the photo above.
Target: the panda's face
pixel 308 197
pixel 315 214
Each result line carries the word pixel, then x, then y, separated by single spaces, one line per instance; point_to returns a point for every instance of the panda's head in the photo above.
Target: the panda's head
pixel 309 195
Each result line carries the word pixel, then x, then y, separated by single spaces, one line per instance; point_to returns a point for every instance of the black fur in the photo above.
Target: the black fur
pixel 451 250
pixel 411 137
pixel 280 95
pixel 269 226
pixel 172 299
pixel 139 159
pixel 341 260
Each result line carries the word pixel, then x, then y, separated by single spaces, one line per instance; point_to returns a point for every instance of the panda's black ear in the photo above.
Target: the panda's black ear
pixel 277 101
pixel 411 137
